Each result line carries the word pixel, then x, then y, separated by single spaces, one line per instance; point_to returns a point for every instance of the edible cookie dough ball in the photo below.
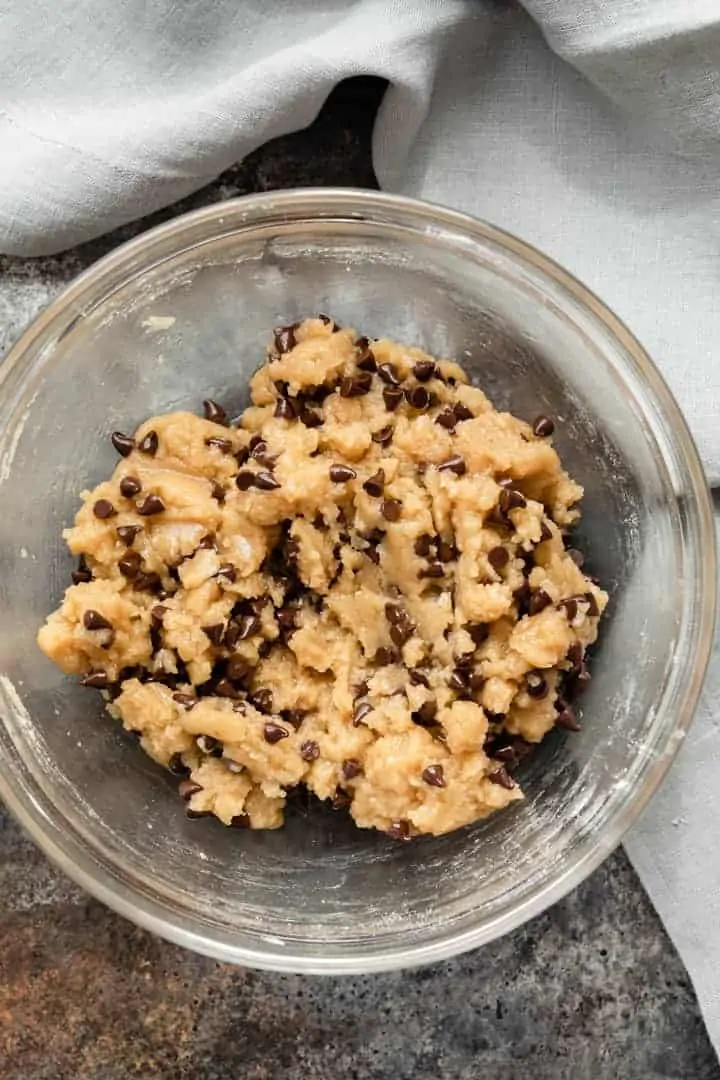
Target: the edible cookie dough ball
pixel 361 587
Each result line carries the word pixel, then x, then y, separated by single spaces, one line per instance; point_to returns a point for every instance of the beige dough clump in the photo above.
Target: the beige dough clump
pixel 362 587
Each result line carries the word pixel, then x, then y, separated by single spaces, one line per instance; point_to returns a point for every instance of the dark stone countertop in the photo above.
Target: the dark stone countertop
pixel 593 988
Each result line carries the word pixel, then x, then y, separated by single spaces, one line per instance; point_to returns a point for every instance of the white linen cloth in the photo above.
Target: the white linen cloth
pixel 589 127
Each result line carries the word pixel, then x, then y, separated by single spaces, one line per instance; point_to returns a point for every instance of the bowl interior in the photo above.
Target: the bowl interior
pixel 194 325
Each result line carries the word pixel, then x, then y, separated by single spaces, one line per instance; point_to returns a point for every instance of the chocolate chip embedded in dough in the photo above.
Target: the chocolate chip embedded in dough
pixel 273 733
pixel 391 509
pixel 103 509
pixel 341 474
pixel 502 777
pixel 149 444
pixel 434 775
pixel 124 444
pixel 424 370
pixel 543 427
pixel 215 413
pixel 93 620
pixel 151 504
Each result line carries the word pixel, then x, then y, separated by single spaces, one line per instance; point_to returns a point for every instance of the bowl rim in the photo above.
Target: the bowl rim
pixel 347 204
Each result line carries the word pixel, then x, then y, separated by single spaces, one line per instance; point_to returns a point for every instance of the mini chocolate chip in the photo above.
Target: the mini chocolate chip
pixel 103 509
pixel 237 669
pixel 248 626
pixel 356 385
pixel 188 788
pixel 367 362
pixel 129 565
pixel 477 681
pixel 294 717
pixel 566 717
pixel 224 688
pixel 223 445
pixel 392 396
pixel 545 533
pixel 383 657
pixel 147 581
pixel 309 750
pixel 536 685
pixel 432 570
pixel 570 607
pixel 384 436
pixel 149 444
pixel 328 322
pixel 458 680
pixel 227 572
pixel 286 618
pixel 539 600
pixel 266 481
pixel 434 775
pixel 593 609
pixel 151 504
pixel 351 768
pixel 446 419
pixel 395 614
pixel 375 484
pixel 177 766
pixel 242 455
pixel 217 491
pixel 575 656
pixel 310 418
pixel 83 574
pixel 424 370
pixel 399 635
pixel 240 821
pixel 391 509
pixel 478 632
pixel 93 620
pixel 454 464
pixel 185 701
pixel 122 443
pixel 417 397
pixel 340 800
pixel 427 712
pixel 214 632
pixel 418 677
pixel 273 733
pixel 446 551
pixel 461 412
pixel 98 680
pixel 502 777
pixel 498 558
pixel 285 409
pixel 577 683
pixel 399 830
pixel 543 426
pixel 245 480
pixel 195 815
pixel 423 544
pixel 361 710
pixel 510 499
pixel 215 413
pixel 388 374
pixel 284 338
pixel 207 543
pixel 127 533
pixel 262 699
pixel 157 613
pixel 340 474
pixel 130 486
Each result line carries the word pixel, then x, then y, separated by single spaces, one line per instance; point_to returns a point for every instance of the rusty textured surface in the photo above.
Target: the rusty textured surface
pixel 592 988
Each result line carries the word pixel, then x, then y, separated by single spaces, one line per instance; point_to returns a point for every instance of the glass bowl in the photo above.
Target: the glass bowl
pixel 183 313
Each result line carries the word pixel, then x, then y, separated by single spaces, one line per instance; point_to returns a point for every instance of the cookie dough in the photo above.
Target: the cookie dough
pixel 361 587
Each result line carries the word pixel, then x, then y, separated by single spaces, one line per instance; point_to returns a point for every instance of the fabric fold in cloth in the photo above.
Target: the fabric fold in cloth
pixel 591 128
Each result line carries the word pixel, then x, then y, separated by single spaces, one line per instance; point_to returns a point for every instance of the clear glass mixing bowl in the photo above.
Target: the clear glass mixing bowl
pixel 183 313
